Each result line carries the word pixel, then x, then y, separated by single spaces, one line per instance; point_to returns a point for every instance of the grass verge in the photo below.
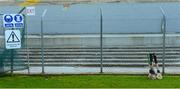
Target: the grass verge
pixel 87 81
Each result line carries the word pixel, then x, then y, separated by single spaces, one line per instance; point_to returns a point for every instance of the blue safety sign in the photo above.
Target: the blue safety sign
pixel 18 18
pixel 13 21
pixel 8 18
pixel 8 21
pixel 18 21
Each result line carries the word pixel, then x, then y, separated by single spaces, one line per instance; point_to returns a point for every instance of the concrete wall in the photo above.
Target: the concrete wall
pixel 109 40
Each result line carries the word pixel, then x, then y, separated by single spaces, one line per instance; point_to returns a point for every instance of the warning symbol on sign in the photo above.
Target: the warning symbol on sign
pixel 13 38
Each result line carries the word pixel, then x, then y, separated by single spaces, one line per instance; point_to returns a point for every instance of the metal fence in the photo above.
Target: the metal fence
pixel 99 40
pixel 13 59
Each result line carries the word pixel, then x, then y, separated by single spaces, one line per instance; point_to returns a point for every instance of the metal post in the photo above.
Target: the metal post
pixel 12 60
pixel 42 40
pixel 42 46
pixel 164 39
pixel 101 39
pixel 27 49
pixel 21 10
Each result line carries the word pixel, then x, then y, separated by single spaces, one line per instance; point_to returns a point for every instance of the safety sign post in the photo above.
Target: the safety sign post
pixel 13 21
pixel 14 26
pixel 12 39
pixel 8 21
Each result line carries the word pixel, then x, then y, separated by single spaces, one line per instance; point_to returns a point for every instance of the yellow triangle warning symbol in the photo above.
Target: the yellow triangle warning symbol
pixel 13 38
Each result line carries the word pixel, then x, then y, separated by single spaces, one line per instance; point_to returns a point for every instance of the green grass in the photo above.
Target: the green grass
pixel 88 81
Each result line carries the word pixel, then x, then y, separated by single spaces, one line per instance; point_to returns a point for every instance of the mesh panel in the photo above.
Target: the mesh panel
pixel 72 39
pixel 12 59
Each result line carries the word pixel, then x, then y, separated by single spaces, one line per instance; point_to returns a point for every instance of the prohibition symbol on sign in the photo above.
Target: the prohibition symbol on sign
pixel 13 38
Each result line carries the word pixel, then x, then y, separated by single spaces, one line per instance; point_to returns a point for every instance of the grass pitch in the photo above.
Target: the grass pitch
pixel 87 81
